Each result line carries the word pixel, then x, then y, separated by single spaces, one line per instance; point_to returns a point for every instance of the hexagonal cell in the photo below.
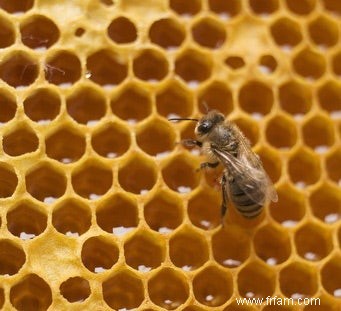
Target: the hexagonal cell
pixel 298 280
pixel 12 257
pixel 286 32
pixel 249 127
pixel 281 132
pixel 62 68
pixel 193 66
pixel 272 163
pixel 123 291
pixel 163 212
pixel 303 7
pixel 144 251
pixel 7 32
pixel 21 140
pixel 138 174
pixel 31 293
pixel 122 30
pixel 309 64
pixel 99 253
pixel 8 180
pixel 119 211
pixel 331 276
pixel 39 31
pixel 150 65
pixel 25 220
pixel 92 180
pixel 264 7
pixel 256 97
pixel 230 246
pixel 45 183
pixel 188 250
pixel 235 62
pixel 16 6
pixel 225 9
pixel 336 63
pixel 8 106
pixel 156 137
pixel 334 6
pixel 295 97
pixel 42 105
pixel 66 220
pixel 267 64
pixel 86 104
pixel 190 7
pixel 75 289
pixel 256 280
pixel 106 68
pixel 323 31
pixel 65 145
pixel 333 166
pixel 131 103
pixel 168 289
pixel 212 286
pixel 329 96
pixel 18 69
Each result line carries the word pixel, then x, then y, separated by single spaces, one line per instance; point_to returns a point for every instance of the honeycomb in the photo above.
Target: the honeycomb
pixel 103 209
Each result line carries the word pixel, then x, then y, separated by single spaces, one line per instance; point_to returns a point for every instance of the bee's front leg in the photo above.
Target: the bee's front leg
pixel 191 143
pixel 209 165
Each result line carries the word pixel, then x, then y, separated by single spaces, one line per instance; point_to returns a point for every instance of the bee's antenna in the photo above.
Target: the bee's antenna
pixel 183 119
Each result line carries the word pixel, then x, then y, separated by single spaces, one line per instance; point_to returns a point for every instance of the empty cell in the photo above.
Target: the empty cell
pixel 264 7
pixel 331 276
pixel 123 291
pixel 323 31
pixel 138 174
pixel 167 33
pixel 65 145
pixel 16 6
pixel 250 128
pixel 45 183
pixel 7 32
pixel 75 289
pixel 333 165
pixel 212 286
pixel 105 67
pixel 168 289
pixel 286 32
pixel 62 67
pixel 122 30
pixel 26 219
pixel 150 65
pixel 235 62
pixel 272 163
pixel 329 96
pixel 21 140
pixel 281 132
pixel 18 69
pixel 8 106
pixel 31 292
pixel 66 220
pixel 42 105
pixel 99 253
pixel 190 7
pixel 267 64
pixel 225 9
pixel 336 63
pixel 86 104
pixel 39 31
pixel 12 257
pixel 303 7
pixel 8 180
pixel 334 6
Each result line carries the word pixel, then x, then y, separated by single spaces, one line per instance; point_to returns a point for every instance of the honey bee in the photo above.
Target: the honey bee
pixel 244 181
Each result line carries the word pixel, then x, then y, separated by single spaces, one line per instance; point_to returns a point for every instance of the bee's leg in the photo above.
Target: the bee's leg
pixel 209 165
pixel 225 197
pixel 191 143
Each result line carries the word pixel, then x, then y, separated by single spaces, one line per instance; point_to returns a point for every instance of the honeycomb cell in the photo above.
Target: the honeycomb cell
pixel 302 7
pixel 132 103
pixel 150 65
pixel 212 287
pixel 281 132
pixel 21 140
pixel 8 180
pixel 329 96
pixel 45 183
pixel 256 97
pixel 12 257
pixel 163 212
pixel 313 242
pixel 272 163
pixel 31 293
pixel 309 64
pixel 168 288
pixel 235 62
pixel 298 280
pixel 188 250
pixel 267 64
pixel 230 246
pixel 122 30
pixel 16 6
pixel 272 244
pixel 167 33
pixel 92 180
pixel 42 105
pixel 39 31
pixel 26 220
pixel 331 276
pixel 336 60
pixel 256 280
pixel 333 6
pixel 106 68
pixel 65 145
pixel 123 291
pixel 8 106
pixel 86 104
pixel 323 31
pixel 249 128
pixel 119 211
pixel 138 174
pixel 286 33
pixel 225 9
pixel 19 69
pixel 187 8
pixel 209 33
pixel 66 220
pixel 62 68
pixel 333 166
pixel 144 251
pixel 7 32
pixel 75 289
pixel 99 253
pixel 264 7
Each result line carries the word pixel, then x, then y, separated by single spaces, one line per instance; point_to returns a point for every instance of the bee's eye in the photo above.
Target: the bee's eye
pixel 205 127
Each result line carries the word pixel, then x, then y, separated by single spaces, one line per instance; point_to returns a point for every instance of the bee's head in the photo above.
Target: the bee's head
pixel 208 122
